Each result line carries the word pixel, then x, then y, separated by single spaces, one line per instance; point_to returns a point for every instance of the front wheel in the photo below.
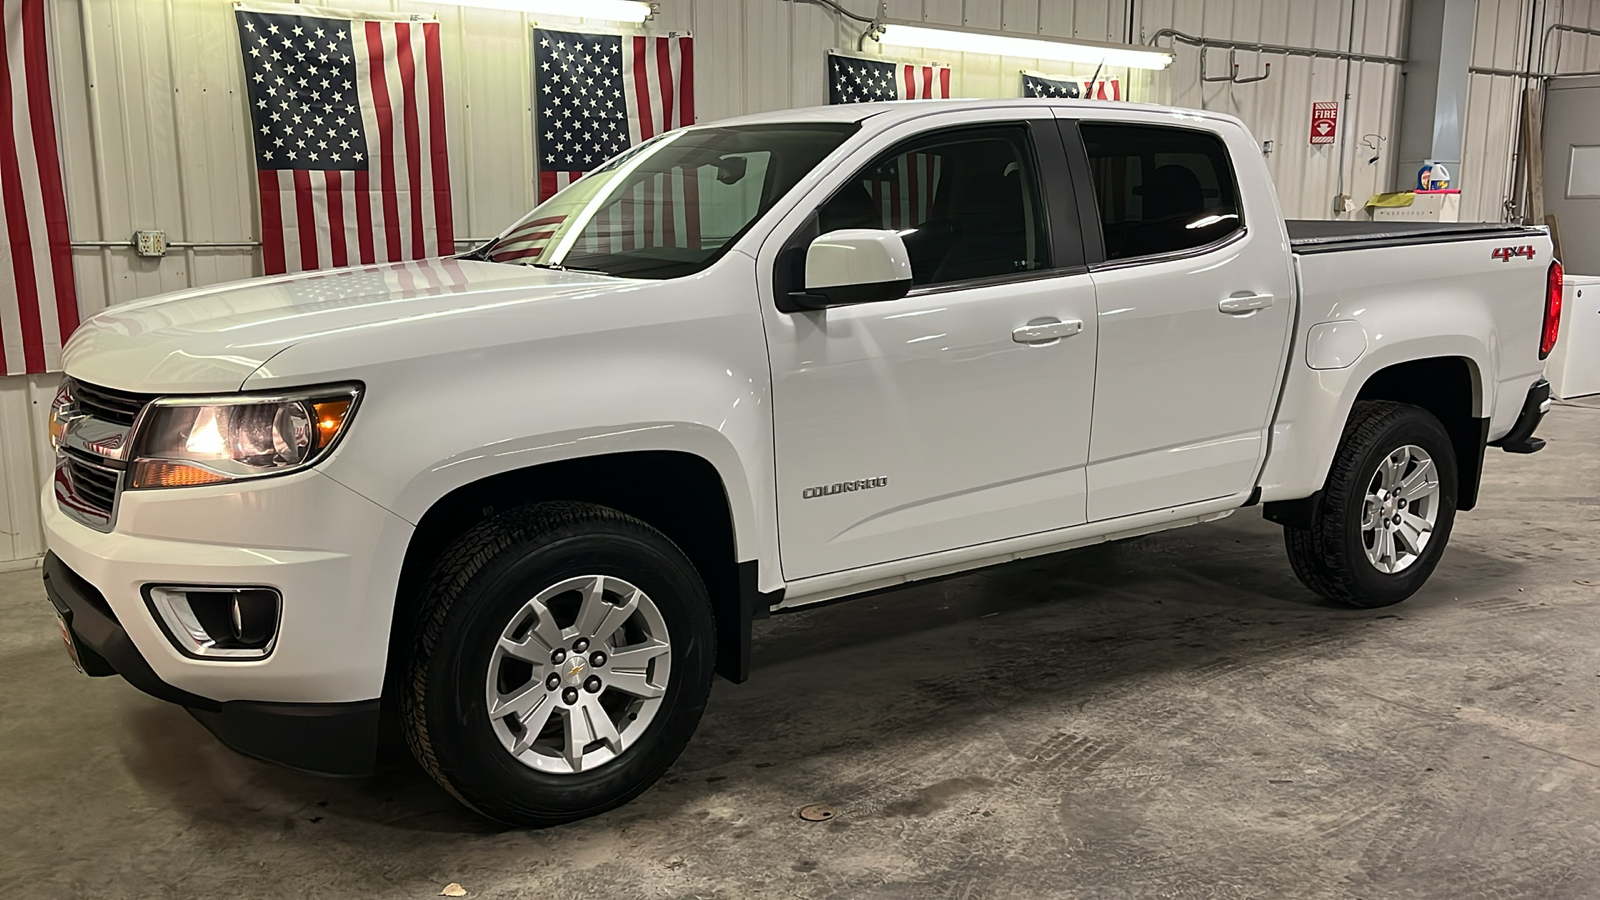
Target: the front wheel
pixel 560 663
pixel 1386 510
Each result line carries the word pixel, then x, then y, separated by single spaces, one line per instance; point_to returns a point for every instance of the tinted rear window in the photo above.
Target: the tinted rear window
pixel 1159 189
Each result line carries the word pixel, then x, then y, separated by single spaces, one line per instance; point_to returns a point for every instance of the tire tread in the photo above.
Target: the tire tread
pixel 1319 555
pixel 462 561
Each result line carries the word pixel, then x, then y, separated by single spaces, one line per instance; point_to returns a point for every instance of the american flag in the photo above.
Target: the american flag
pixel 852 79
pixel 38 302
pixel 412 278
pixel 527 240
pixel 1044 86
pixel 599 94
pixel 904 189
pixel 348 118
pixel 330 290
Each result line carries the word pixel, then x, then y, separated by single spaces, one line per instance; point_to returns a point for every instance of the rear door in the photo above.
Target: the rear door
pixel 1194 296
pixel 937 421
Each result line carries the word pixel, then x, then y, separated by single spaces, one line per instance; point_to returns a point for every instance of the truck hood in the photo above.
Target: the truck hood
pixel 213 338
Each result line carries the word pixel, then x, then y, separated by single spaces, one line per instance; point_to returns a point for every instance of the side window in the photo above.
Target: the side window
pixel 1160 189
pixel 966 203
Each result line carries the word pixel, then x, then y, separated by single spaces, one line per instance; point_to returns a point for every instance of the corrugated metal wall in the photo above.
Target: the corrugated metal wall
pixel 1278 109
pixel 1508 37
pixel 155 135
pixel 24 464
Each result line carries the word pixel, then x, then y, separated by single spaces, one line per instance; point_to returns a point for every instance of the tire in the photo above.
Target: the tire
pixel 1332 556
pixel 487 583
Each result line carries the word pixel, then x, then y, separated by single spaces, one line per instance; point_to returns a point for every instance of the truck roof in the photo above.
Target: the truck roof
pixel 909 109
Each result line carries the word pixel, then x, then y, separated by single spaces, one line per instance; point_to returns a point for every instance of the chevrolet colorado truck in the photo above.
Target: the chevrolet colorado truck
pixel 519 505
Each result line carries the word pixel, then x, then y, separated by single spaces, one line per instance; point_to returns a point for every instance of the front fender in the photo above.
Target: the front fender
pixel 677 365
pixel 484 461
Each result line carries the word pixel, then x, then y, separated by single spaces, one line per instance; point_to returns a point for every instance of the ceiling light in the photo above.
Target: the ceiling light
pixel 1000 44
pixel 618 10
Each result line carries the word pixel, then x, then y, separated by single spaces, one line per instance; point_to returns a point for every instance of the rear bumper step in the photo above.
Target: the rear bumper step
pixel 1520 438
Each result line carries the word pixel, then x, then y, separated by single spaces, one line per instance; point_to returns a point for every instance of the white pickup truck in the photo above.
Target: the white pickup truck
pixel 522 503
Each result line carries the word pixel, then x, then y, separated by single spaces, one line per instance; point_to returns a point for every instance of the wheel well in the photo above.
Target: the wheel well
pixel 679 494
pixel 1448 387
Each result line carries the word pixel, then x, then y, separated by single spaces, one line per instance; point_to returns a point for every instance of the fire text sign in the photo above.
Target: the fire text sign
pixel 1324 121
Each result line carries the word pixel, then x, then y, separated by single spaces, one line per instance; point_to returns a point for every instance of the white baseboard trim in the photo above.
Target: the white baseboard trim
pixel 17 565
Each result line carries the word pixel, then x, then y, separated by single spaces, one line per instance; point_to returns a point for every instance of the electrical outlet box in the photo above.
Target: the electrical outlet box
pixel 150 243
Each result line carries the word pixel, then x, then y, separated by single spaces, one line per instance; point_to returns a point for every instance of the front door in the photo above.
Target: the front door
pixel 940 420
pixel 1194 303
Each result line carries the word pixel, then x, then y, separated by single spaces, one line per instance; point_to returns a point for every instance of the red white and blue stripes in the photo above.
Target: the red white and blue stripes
pixel 38 300
pixel 393 203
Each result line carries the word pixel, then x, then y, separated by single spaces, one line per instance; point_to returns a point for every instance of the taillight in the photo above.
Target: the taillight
pixel 1552 310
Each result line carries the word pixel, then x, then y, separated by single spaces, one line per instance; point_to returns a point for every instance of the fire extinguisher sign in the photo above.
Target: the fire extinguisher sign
pixel 1324 121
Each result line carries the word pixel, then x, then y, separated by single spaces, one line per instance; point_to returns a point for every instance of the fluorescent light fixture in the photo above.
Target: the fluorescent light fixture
pixel 618 10
pixel 969 40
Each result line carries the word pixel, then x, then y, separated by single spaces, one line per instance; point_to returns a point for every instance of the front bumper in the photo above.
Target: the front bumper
pixel 333 555
pixel 1520 438
pixel 326 738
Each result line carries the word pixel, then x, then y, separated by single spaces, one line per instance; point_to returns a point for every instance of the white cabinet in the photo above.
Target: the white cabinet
pixel 1574 365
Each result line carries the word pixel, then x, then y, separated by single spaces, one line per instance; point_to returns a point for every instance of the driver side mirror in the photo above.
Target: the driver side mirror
pixel 853 265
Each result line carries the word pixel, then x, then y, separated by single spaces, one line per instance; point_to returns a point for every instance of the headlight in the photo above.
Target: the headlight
pixel 191 441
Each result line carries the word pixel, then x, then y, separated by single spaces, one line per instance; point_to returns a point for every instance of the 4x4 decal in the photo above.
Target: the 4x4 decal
pixel 1507 254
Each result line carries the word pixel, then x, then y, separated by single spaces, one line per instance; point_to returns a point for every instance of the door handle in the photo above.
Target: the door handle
pixel 1244 302
pixel 1043 331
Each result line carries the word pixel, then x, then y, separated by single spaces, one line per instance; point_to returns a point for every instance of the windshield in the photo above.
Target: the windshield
pixel 670 206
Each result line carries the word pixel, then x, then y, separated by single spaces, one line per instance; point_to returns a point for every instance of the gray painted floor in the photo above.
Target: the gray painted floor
pixel 1169 717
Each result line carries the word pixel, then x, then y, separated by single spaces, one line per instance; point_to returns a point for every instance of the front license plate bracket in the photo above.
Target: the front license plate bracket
pixel 71 642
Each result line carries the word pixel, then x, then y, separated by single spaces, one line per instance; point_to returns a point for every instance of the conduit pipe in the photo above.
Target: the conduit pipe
pixel 1179 37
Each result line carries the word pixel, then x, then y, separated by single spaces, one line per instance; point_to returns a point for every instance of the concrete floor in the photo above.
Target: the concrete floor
pixel 1169 717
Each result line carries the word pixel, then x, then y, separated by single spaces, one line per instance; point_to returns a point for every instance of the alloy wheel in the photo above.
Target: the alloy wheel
pixel 1400 509
pixel 578 674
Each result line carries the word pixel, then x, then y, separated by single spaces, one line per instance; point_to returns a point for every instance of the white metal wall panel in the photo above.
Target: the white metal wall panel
pixel 986 75
pixel 1278 109
pixel 1508 37
pixel 1578 52
pixel 24 463
pixel 154 133
pixel 1500 41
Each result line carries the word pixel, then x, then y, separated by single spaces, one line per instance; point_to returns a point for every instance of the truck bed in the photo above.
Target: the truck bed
pixel 1321 236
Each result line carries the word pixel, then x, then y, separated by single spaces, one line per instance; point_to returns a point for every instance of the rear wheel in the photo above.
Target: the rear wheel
pixel 561 661
pixel 1386 510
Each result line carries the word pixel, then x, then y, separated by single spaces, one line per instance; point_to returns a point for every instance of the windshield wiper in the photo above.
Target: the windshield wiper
pixel 480 252
pixel 561 268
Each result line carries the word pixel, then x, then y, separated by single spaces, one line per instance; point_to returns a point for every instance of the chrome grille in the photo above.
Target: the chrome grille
pixel 96 436
pixel 95 485
pixel 108 404
pixel 86 491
